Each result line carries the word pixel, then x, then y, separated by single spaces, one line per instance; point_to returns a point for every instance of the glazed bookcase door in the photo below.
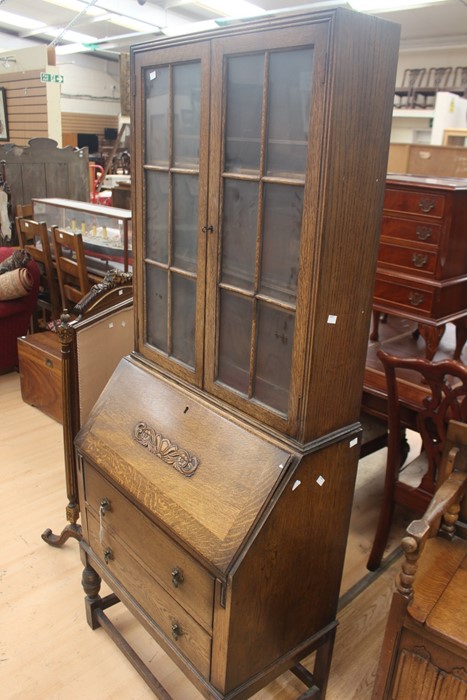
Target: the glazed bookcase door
pixel 266 102
pixel 171 202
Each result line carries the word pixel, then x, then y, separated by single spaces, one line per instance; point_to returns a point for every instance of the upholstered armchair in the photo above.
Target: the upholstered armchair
pixel 15 315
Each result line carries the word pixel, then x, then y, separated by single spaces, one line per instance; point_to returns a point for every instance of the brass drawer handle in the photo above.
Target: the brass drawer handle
pixel 176 631
pixel 104 506
pixel 419 259
pixel 426 204
pixel 416 298
pixel 108 555
pixel 48 362
pixel 177 576
pixel 423 233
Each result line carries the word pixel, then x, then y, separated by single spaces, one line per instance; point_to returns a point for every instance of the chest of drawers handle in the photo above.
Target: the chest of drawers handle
pixel 426 204
pixel 416 298
pixel 419 259
pixel 108 555
pixel 423 233
pixel 177 576
pixel 104 506
pixel 176 631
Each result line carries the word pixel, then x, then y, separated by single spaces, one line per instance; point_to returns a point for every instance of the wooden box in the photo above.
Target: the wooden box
pixel 40 368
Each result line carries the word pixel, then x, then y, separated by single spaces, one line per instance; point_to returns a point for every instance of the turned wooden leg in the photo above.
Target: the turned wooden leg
pixel 432 336
pixel 91 582
pixel 461 337
pixel 374 335
pixel 70 429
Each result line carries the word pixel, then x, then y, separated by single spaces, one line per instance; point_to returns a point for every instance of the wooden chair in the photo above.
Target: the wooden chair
pixel 446 385
pixel 73 277
pixel 92 344
pixel 33 237
pixel 24 211
pixel 424 652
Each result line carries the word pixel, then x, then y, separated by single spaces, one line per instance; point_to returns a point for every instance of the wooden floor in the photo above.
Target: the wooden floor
pixel 47 650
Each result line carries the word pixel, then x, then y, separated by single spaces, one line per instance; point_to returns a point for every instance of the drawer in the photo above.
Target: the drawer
pixel 411 231
pixel 403 296
pixel 415 260
pixel 425 203
pixel 175 570
pixel 178 626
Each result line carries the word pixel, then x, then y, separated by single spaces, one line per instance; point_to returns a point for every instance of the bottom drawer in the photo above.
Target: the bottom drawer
pixel 180 629
pixel 417 300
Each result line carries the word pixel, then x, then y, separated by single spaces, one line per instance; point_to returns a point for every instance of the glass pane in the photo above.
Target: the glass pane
pixel 274 357
pixel 157 216
pixel 283 206
pixel 183 319
pixel 239 233
pixel 245 75
pixel 234 341
pixel 288 111
pixel 186 90
pixel 157 116
pixel 185 221
pixel 156 304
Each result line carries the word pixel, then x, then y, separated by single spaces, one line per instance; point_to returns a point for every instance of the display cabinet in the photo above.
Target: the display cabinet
pixel 217 469
pixel 106 231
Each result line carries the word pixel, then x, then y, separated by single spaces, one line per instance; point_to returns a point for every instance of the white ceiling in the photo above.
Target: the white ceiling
pixel 107 24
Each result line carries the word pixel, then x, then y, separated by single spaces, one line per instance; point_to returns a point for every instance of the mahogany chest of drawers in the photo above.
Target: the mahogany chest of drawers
pixel 422 261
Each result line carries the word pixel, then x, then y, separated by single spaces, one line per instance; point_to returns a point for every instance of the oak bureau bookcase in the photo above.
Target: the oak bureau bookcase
pixel 217 468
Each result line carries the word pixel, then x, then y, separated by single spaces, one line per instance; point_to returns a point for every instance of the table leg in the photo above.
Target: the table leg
pixel 432 336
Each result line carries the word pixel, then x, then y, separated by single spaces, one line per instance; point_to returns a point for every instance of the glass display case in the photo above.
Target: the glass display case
pixel 106 231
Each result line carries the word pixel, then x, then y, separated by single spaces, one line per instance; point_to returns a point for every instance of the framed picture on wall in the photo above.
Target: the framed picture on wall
pixel 3 116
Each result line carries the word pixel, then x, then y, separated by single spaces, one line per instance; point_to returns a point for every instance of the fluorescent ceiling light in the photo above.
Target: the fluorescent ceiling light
pixel 232 8
pixel 77 6
pixel 66 49
pixel 180 29
pixel 389 5
pixel 135 24
pixel 73 37
pixel 19 21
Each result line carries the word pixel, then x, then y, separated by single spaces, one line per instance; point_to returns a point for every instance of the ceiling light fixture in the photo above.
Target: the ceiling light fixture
pixel 390 5
pixel 181 29
pixel 6 61
pixel 229 8
pixel 19 21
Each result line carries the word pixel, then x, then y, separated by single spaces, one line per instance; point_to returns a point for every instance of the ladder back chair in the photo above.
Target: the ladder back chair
pixel 33 237
pixel 74 279
pixel 24 211
pixel 413 485
pixel 424 651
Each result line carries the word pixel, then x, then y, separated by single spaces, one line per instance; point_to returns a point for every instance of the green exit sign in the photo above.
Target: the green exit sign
pixel 51 78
